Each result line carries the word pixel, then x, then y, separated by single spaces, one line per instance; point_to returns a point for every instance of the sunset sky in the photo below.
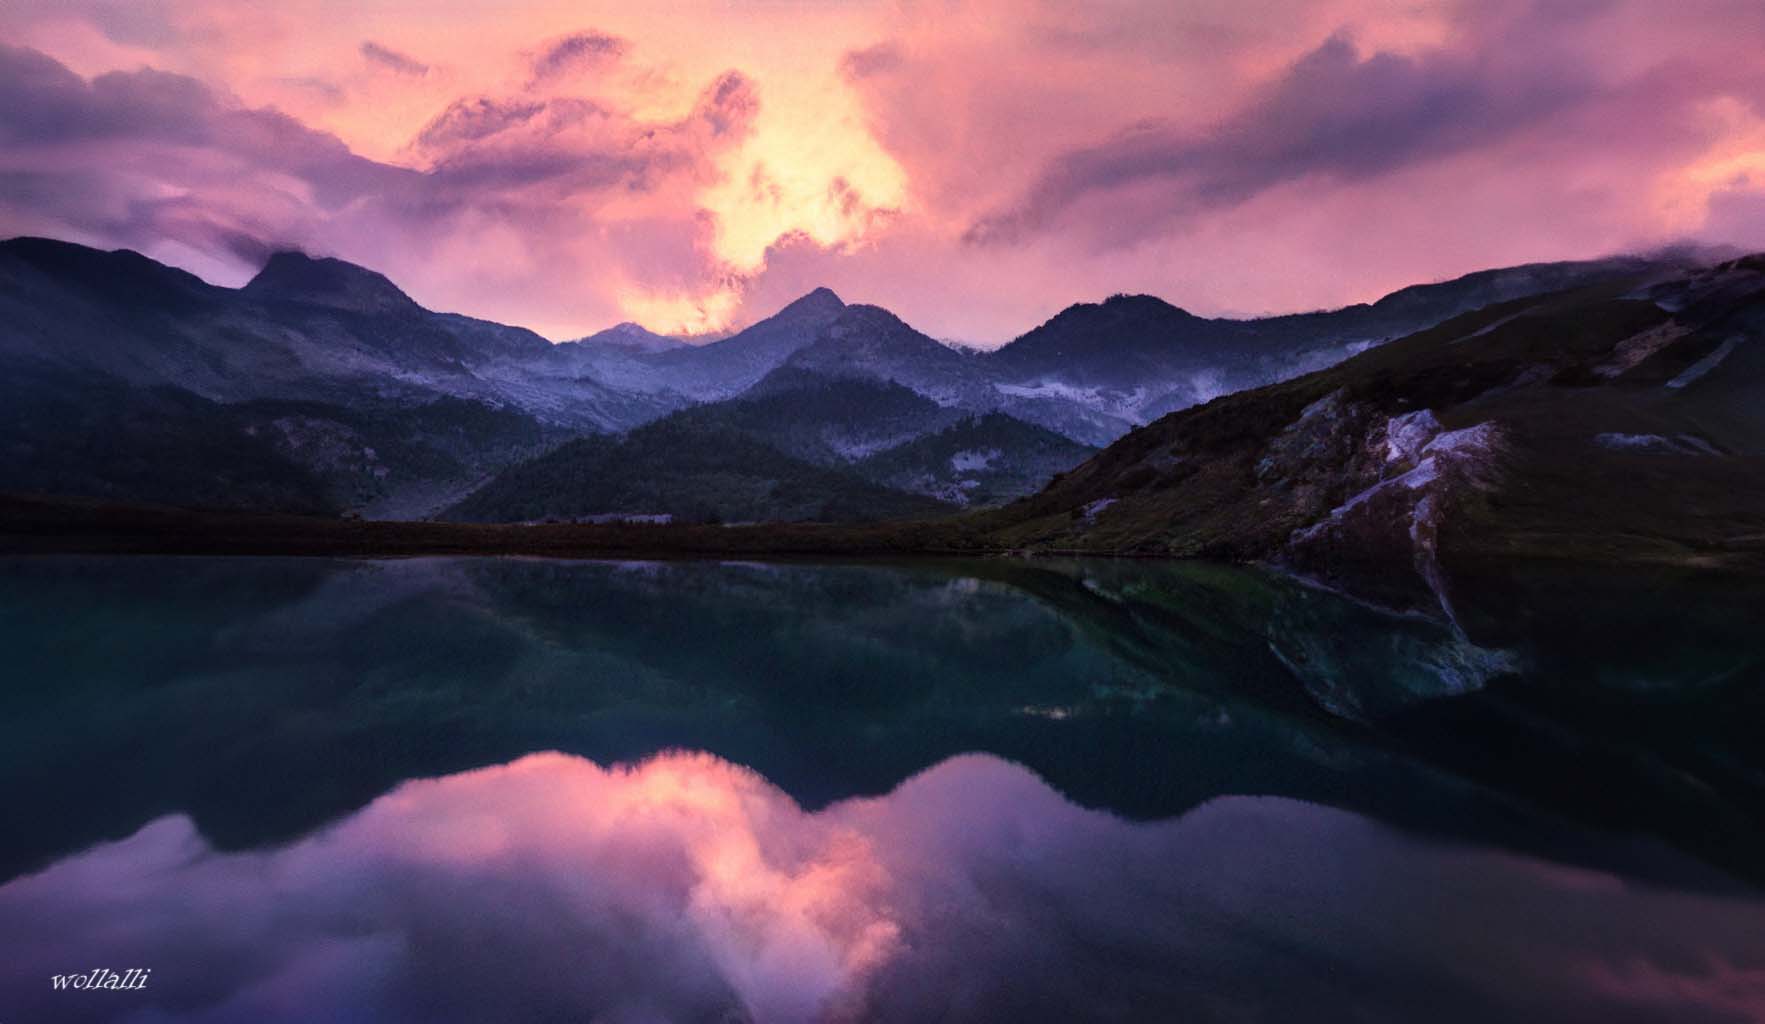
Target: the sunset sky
pixel 972 166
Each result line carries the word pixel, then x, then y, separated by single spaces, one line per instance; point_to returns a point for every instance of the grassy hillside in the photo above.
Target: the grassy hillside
pixel 819 419
pixel 977 462
pixel 675 468
pixel 93 436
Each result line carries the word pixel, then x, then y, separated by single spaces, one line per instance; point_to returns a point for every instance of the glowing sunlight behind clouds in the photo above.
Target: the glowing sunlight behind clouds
pixel 809 170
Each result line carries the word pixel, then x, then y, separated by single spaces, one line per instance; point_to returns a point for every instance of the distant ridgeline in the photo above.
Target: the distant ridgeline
pixel 321 388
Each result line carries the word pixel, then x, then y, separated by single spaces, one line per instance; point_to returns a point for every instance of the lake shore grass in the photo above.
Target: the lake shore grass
pixel 38 524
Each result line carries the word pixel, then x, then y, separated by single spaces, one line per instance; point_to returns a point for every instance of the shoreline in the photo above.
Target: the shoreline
pixel 53 525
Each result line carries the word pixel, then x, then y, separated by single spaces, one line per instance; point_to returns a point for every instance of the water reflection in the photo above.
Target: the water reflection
pixel 265 697
pixel 688 888
pixel 1240 797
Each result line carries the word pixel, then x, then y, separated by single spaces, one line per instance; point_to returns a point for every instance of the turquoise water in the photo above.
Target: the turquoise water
pixel 506 789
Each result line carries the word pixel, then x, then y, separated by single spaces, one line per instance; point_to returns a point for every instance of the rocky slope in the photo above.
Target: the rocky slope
pixel 1611 423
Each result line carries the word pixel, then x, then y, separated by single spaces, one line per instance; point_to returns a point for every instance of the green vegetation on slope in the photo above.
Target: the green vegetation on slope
pixel 824 420
pixel 675 468
pixel 979 461
pixel 93 436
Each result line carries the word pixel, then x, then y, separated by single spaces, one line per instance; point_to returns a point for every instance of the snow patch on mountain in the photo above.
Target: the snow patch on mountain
pixel 1402 512
pixel 970 461
pixel 1406 435
pixel 1679 444
pixel 1710 362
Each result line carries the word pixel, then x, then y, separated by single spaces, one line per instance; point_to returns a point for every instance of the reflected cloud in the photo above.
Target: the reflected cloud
pixel 687 887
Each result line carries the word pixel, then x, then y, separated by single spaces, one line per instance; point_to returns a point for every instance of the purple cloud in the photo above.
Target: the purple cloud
pixel 392 60
pixel 574 52
pixel 1333 113
pixel 871 60
pixel 467 120
pixel 570 146
pixel 162 163
pixel 199 144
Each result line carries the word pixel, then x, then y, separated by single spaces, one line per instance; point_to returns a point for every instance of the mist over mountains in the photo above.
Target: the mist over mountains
pixel 321 387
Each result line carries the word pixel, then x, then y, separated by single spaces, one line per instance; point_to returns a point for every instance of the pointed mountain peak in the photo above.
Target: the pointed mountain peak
pixel 622 333
pixel 1116 310
pixel 821 303
pixel 324 281
pixel 862 317
pixel 1124 301
pixel 1122 306
pixel 633 336
pixel 873 329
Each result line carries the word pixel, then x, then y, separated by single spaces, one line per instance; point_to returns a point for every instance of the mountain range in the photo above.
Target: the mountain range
pixel 321 387
pixel 1615 422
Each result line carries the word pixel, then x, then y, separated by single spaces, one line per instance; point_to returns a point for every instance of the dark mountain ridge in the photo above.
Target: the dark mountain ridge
pixel 668 471
pixel 1129 342
pixel 317 371
pixel 326 281
pixel 390 409
pixel 731 365
pixel 1615 422
pixel 977 461
pixel 631 337
pixel 860 427
pixel 870 341
pixel 121 275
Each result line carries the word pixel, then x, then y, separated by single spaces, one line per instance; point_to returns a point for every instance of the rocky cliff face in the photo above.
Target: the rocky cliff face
pixel 1408 474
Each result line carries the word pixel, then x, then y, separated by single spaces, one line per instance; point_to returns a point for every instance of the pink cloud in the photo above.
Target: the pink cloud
pixel 688 887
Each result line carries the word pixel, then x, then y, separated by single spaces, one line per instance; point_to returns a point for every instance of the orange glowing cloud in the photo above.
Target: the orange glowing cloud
pixel 809 170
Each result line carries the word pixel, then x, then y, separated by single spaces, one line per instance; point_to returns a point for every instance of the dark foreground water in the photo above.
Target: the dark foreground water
pixel 502 790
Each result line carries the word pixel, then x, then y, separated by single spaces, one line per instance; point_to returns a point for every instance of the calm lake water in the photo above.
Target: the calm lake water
pixel 503 789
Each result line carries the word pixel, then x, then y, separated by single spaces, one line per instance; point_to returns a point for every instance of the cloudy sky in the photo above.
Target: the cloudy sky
pixel 973 166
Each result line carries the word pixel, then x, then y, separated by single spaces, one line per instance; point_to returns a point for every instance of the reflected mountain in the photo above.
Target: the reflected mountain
pixel 263 698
